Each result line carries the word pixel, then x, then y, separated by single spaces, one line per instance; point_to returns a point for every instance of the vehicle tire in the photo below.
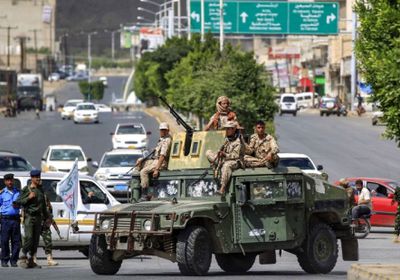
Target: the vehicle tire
pixel 327 114
pixel 338 114
pixel 193 251
pixel 85 251
pixel 235 263
pixel 374 122
pixel 294 114
pixel 320 250
pixel 321 114
pixel 63 118
pixel 100 258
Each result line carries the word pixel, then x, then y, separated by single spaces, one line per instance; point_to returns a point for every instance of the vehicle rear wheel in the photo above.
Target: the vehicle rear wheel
pixel 321 114
pixel 320 250
pixel 193 251
pixel 235 263
pixel 100 257
pixel 338 114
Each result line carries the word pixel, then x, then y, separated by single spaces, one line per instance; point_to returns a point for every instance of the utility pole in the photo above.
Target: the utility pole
pixel 35 46
pixel 8 28
pixel 22 43
pixel 202 15
pixel 221 25
pixel 189 23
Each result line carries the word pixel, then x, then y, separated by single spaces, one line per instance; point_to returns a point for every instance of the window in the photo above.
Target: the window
pixel 99 197
pixel 266 190
pixel 294 189
pixel 119 160
pixel 164 189
pixel 14 163
pixel 195 151
pixel 176 147
pixel 49 187
pixel 66 155
pixel 201 188
pixel 377 190
pixel 289 99
pixel 130 129
pixel 302 163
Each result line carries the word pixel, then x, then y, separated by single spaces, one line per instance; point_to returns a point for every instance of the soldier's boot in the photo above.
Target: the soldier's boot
pixel 51 261
pixel 23 261
pixel 32 263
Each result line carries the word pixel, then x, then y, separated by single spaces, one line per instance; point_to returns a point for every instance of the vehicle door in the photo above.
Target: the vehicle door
pixel 273 210
pixel 61 214
pixel 99 202
pixel 384 211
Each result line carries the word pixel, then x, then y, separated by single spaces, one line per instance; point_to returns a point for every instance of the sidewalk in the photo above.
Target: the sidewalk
pixel 374 272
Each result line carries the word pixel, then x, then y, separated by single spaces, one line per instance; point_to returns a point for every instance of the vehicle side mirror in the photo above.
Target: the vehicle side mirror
pixel 242 194
pixel 43 159
pixel 391 195
pixel 148 133
pixel 111 133
pixel 319 167
pixel 89 159
pixel 106 201
pixel 95 164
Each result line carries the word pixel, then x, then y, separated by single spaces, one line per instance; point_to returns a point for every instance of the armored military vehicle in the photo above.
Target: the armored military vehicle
pixel 263 211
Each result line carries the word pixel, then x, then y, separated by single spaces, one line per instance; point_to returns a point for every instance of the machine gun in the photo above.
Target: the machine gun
pixel 180 121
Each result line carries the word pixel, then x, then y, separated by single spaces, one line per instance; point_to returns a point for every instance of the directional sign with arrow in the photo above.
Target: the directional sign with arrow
pixel 263 17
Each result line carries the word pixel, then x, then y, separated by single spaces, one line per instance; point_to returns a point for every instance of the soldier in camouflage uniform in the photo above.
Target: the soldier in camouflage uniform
pixel 262 150
pixel 396 198
pixel 229 157
pixel 46 234
pixel 158 161
pixel 35 212
pixel 223 114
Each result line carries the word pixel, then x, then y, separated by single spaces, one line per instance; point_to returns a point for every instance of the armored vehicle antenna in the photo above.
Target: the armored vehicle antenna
pixel 180 121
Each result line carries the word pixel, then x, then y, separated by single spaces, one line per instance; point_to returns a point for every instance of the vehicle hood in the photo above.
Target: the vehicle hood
pixel 69 108
pixel 82 112
pixel 66 164
pixel 130 137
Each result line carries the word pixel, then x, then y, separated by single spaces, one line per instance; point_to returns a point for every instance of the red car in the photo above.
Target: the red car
pixel 382 191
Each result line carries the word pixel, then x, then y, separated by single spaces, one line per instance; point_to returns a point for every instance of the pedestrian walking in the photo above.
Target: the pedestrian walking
pixel 10 223
pixel 35 212
pixel 396 198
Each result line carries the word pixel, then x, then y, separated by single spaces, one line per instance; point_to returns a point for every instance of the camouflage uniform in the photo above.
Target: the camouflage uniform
pixel 260 148
pixel 46 232
pixel 234 151
pixel 163 149
pixel 396 198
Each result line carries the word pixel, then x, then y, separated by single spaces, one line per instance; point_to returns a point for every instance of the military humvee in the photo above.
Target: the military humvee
pixel 263 211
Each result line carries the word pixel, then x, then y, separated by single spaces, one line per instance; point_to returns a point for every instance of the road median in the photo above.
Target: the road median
pixel 374 272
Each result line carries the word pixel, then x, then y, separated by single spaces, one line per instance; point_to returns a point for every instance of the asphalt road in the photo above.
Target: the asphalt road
pixel 345 146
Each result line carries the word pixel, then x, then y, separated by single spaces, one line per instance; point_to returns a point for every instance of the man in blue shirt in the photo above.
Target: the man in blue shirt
pixel 10 223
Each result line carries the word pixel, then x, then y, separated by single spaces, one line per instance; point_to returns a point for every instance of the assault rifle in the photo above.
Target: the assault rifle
pixel 180 121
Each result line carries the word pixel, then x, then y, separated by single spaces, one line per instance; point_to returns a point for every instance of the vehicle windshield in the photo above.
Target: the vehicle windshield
pixel 12 163
pixel 66 155
pixel 71 104
pixel 302 163
pixel 29 90
pixel 86 107
pixel 131 129
pixel 119 160
pixel 288 99
pixel 326 100
pixel 165 189
pixel 394 184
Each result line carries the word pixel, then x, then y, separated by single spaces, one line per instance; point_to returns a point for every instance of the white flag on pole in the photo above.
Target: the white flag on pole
pixel 68 189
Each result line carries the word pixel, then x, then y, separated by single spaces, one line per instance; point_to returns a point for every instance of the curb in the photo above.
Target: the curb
pixel 374 271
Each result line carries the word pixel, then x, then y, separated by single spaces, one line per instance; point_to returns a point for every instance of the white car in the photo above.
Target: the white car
pixel 101 200
pixel 104 81
pixel 303 162
pixel 69 108
pixel 114 171
pixel 86 113
pixel 62 157
pixel 288 104
pixel 54 77
pixel 130 136
pixel 102 108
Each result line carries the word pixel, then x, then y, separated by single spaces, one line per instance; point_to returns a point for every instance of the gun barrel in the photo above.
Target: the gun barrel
pixel 178 118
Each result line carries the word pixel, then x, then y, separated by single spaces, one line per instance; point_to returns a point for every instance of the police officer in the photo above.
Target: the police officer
pixel 35 212
pixel 10 222
pixel 262 149
pixel 158 161
pixel 229 157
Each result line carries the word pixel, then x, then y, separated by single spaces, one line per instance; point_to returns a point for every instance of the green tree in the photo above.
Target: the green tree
pixel 94 90
pixel 378 54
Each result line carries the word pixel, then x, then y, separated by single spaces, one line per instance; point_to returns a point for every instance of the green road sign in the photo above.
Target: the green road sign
pixel 262 17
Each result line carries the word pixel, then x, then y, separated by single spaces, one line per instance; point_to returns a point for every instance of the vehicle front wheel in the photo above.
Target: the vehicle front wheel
pixel 320 250
pixel 193 251
pixel 235 263
pixel 100 257
pixel 321 114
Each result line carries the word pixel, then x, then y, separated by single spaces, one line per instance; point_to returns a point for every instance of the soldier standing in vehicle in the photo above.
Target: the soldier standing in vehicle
pixel 396 198
pixel 229 157
pixel 223 114
pixel 158 161
pixel 35 212
pixel 262 150
pixel 10 222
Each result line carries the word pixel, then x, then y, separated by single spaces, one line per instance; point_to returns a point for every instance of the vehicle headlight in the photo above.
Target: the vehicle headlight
pixel 84 169
pixel 101 177
pixel 147 225
pixel 105 224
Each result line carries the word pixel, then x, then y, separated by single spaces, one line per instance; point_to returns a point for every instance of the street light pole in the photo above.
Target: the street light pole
pixel 202 20
pixel 189 23
pixel 90 59
pixel 221 25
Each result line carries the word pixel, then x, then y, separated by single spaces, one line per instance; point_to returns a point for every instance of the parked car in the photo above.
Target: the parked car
pixel 114 171
pixel 103 200
pixel 330 106
pixel 130 136
pixel 288 104
pixel 303 162
pixel 62 157
pixel 86 113
pixel 102 108
pixel 68 109
pixel 382 191
pixel 11 162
